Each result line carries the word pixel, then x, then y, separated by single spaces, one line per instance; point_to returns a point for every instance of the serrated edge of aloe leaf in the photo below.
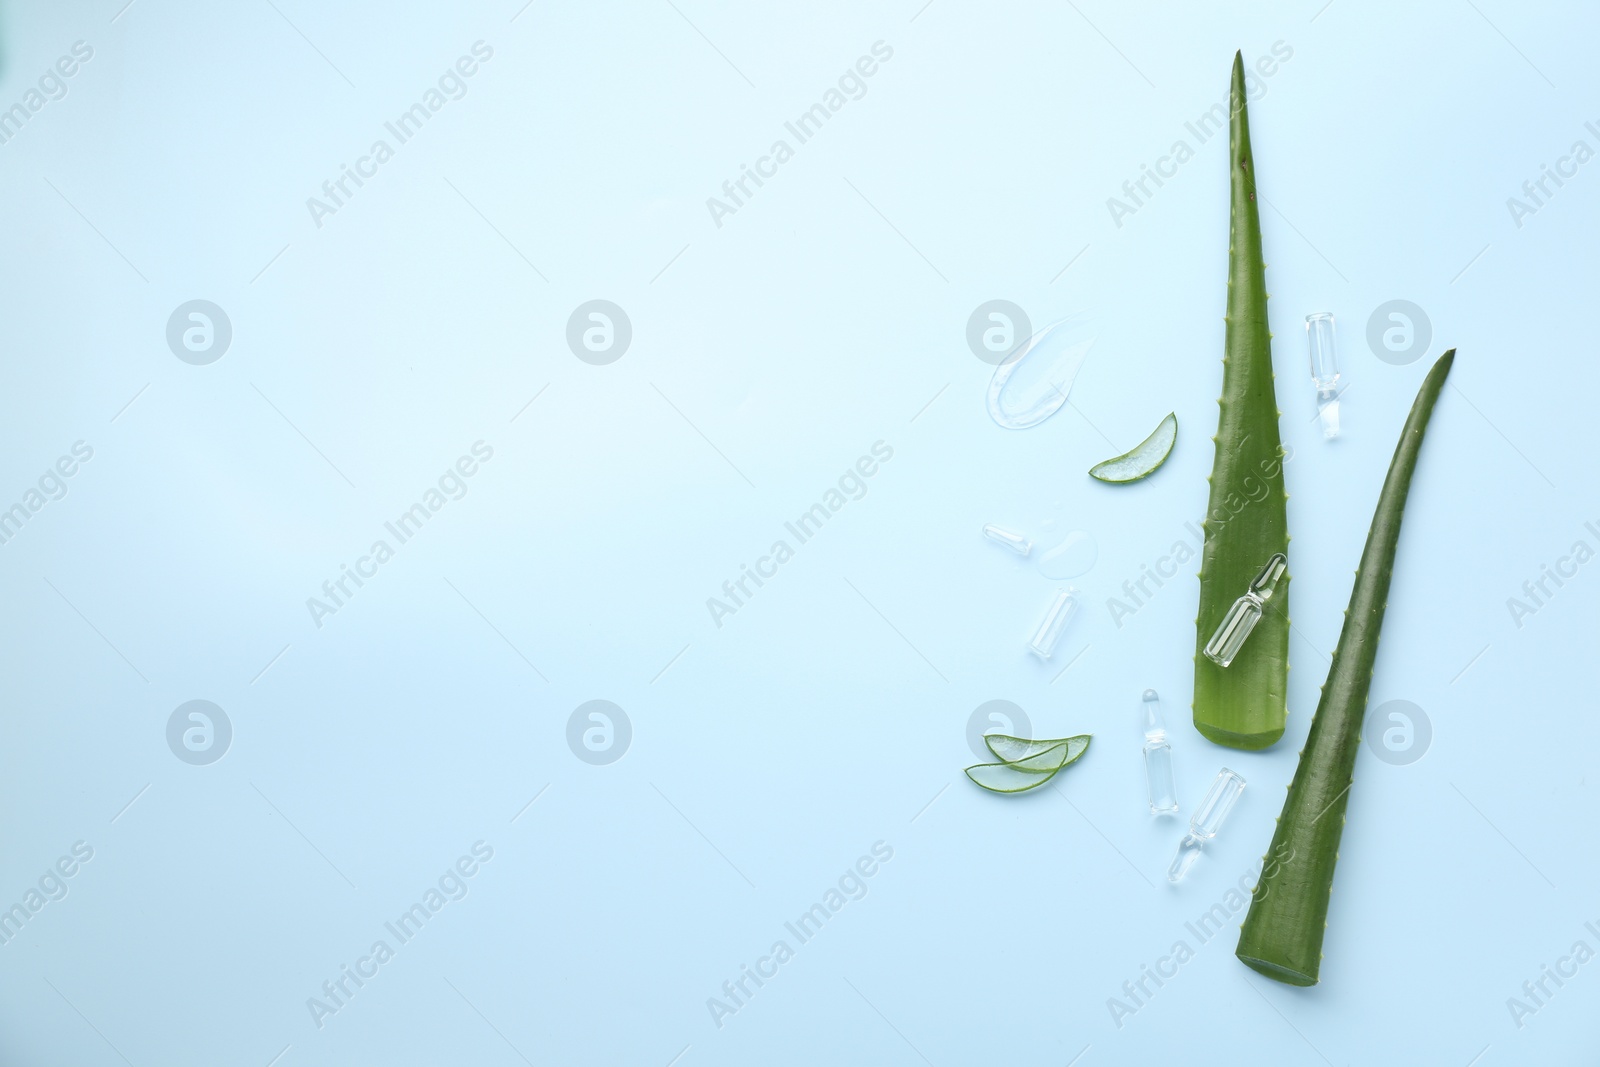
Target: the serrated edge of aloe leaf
pixel 1048 744
pixel 1043 776
pixel 1145 472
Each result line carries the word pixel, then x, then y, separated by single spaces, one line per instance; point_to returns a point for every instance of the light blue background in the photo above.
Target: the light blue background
pixel 768 354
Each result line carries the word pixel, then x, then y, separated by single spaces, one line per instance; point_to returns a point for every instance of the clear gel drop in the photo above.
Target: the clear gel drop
pixel 1031 385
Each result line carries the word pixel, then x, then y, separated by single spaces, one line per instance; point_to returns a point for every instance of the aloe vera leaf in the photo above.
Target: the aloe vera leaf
pixel 1021 776
pixel 1141 461
pixel 1282 933
pixel 1245 705
pixel 1009 749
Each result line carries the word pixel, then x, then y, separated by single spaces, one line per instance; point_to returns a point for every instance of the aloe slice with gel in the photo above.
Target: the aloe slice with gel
pixel 1021 776
pixel 1009 749
pixel 1143 459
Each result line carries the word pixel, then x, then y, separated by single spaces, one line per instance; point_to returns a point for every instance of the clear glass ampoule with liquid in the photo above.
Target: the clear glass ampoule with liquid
pixel 1324 370
pixel 1162 792
pixel 1206 821
pixel 1054 624
pixel 1009 538
pixel 1245 613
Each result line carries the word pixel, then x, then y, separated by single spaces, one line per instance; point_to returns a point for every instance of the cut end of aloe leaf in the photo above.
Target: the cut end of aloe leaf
pixel 1249 742
pixel 1287 975
pixel 1017 750
pixel 1143 460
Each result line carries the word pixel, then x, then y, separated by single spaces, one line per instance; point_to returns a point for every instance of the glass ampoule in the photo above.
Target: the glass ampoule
pixel 1163 794
pixel 1009 538
pixel 1241 619
pixel 1206 821
pixel 1054 624
pixel 1324 369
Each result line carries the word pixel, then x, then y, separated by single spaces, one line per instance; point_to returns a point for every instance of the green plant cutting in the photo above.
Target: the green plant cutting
pixel 1244 705
pixel 1025 764
pixel 1142 460
pixel 1282 932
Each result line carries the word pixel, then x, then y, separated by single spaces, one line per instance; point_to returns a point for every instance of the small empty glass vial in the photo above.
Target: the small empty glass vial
pixel 1324 370
pixel 1206 821
pixel 1054 623
pixel 1014 541
pixel 1245 613
pixel 1157 758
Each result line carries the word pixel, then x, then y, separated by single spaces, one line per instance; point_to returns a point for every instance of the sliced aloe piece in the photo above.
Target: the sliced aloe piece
pixel 1143 459
pixel 1021 776
pixel 1024 775
pixel 1016 750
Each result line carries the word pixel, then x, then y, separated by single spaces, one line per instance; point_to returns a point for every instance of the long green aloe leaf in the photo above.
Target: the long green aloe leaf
pixel 1282 933
pixel 1244 705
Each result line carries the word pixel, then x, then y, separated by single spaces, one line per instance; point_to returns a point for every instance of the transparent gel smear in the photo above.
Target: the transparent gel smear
pixel 1072 557
pixel 1033 383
